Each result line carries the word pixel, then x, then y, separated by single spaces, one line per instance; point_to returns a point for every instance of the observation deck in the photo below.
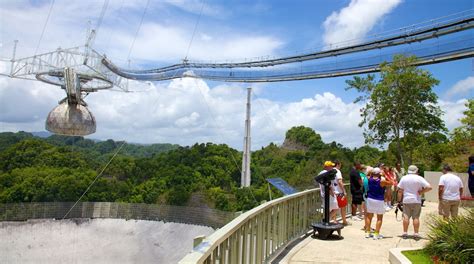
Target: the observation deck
pixel 279 232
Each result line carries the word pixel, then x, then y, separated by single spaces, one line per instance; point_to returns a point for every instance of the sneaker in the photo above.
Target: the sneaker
pixel 378 236
pixel 387 208
pixel 356 218
pixel 416 237
pixel 368 235
pixel 405 236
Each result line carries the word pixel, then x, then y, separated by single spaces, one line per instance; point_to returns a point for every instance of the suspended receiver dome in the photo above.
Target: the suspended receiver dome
pixel 71 120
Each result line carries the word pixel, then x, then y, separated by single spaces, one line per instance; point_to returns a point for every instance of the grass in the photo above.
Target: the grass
pixel 417 256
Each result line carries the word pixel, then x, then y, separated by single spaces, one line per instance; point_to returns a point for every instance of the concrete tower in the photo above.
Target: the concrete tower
pixel 245 180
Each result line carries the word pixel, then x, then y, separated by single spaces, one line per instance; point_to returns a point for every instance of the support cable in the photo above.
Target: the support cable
pixel 95 179
pixel 138 29
pixel 110 35
pixel 44 26
pixel 99 21
pixel 194 32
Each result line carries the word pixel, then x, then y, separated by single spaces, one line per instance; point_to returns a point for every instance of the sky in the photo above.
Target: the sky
pixel 187 111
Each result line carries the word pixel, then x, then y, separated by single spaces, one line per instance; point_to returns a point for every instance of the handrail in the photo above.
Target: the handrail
pixel 260 233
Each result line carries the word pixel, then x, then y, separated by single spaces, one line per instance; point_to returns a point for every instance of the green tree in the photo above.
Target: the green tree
pixel 401 104
pixel 462 140
pixel 305 136
pixel 367 155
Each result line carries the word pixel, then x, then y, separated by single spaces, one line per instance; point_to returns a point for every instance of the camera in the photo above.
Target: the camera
pixel 326 177
pixel 399 208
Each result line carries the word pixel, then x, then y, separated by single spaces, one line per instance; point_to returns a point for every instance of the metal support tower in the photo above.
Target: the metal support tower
pixel 245 181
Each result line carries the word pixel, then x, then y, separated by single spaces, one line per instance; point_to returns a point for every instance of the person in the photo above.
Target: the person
pixel 470 173
pixel 375 202
pixel 398 171
pixel 365 185
pixel 389 176
pixel 410 188
pixel 356 190
pixel 329 165
pixel 340 191
pixel 450 189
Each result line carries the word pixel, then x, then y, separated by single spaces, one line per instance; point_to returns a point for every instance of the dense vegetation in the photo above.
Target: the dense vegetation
pixel 452 240
pixel 60 168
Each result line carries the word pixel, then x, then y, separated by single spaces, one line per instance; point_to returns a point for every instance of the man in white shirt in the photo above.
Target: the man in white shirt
pixel 449 192
pixel 411 187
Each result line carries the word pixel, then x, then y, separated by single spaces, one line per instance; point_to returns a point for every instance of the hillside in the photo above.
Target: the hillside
pixel 60 168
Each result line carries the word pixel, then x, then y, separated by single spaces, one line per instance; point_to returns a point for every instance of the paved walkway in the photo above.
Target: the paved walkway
pixel 355 248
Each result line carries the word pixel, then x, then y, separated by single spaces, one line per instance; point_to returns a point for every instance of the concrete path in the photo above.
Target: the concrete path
pixel 355 248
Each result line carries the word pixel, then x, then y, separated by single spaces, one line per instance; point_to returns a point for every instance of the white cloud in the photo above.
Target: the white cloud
pixel 160 39
pixel 355 21
pixel 184 111
pixel 169 43
pixel 453 111
pixel 199 6
pixel 462 87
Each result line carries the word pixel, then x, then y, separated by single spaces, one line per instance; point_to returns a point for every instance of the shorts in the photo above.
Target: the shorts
pixel 332 203
pixel 375 206
pixel 357 198
pixel 449 208
pixel 412 210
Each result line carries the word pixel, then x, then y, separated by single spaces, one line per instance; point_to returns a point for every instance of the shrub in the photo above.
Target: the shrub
pixel 452 240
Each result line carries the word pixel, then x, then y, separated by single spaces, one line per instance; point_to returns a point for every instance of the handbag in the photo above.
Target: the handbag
pixel 341 200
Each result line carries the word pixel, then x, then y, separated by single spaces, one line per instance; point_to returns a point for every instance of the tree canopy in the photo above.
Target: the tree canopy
pixel 401 104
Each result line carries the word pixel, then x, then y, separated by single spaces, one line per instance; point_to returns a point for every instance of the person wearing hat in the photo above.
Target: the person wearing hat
pixel 450 189
pixel 333 207
pixel 375 202
pixel 411 187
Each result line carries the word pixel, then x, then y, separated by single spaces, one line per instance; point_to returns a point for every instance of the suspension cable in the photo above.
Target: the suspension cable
pixel 44 27
pixel 99 21
pixel 138 29
pixel 95 179
pixel 194 31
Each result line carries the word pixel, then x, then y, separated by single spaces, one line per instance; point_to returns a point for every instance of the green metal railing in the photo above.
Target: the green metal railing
pixel 261 233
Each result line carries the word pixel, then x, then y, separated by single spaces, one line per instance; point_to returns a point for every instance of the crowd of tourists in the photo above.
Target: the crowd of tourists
pixel 377 189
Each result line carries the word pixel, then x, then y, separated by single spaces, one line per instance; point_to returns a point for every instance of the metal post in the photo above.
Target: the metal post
pixel 326 204
pixel 15 43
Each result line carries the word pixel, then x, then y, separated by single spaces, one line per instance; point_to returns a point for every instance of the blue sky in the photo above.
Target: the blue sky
pixel 185 111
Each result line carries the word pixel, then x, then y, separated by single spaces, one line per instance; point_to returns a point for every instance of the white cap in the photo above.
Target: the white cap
pixel 376 171
pixel 412 169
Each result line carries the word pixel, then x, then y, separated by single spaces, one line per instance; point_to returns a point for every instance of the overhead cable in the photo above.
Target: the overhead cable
pixel 194 31
pixel 138 29
pixel 44 27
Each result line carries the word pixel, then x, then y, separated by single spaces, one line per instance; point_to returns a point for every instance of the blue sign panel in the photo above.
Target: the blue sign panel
pixel 282 185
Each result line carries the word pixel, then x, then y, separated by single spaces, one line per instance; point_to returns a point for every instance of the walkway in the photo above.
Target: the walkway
pixel 355 248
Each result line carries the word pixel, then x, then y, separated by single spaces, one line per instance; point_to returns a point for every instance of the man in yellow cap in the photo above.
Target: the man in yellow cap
pixel 329 165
